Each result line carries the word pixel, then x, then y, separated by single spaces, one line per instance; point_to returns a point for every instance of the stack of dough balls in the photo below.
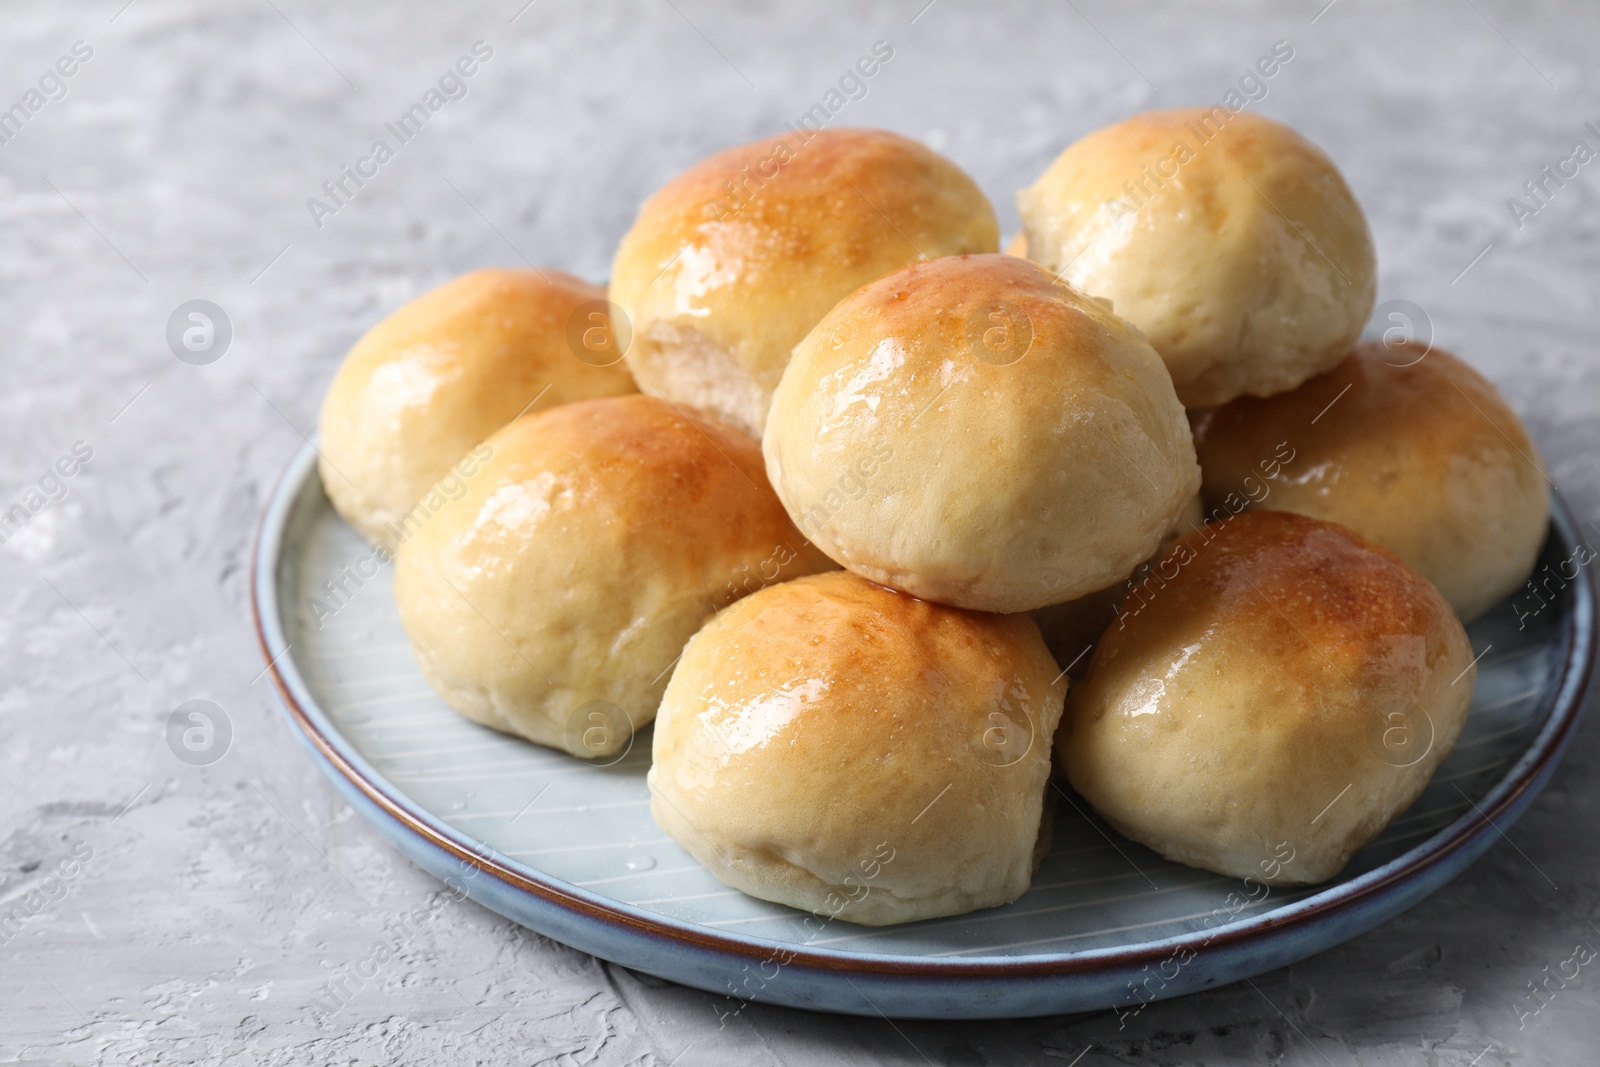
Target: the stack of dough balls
pixel 887 492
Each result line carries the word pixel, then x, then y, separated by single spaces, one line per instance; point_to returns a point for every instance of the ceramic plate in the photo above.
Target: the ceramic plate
pixel 568 848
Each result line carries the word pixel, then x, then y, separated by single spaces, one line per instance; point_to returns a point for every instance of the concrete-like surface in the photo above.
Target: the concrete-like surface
pixel 187 914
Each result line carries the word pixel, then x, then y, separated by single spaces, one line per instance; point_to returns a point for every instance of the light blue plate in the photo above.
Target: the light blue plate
pixel 569 849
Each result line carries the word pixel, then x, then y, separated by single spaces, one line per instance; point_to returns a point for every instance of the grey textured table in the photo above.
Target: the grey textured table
pixel 186 914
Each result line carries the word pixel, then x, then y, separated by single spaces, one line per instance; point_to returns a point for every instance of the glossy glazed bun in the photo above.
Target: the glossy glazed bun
pixel 564 580
pixel 848 750
pixel 1285 690
pixel 731 262
pixel 1229 239
pixel 973 432
pixel 440 375
pixel 1409 447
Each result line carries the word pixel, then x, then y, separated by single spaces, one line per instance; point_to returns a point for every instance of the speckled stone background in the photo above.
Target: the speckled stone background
pixel 186 914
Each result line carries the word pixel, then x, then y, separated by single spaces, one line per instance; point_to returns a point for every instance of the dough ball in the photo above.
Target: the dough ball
pixel 1229 239
pixel 848 750
pixel 550 595
pixel 1282 690
pixel 970 430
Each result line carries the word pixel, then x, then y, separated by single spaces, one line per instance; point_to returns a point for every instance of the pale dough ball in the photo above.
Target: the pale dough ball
pixel 850 751
pixel 440 375
pixel 551 595
pixel 1229 239
pixel 971 431
pixel 1284 689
